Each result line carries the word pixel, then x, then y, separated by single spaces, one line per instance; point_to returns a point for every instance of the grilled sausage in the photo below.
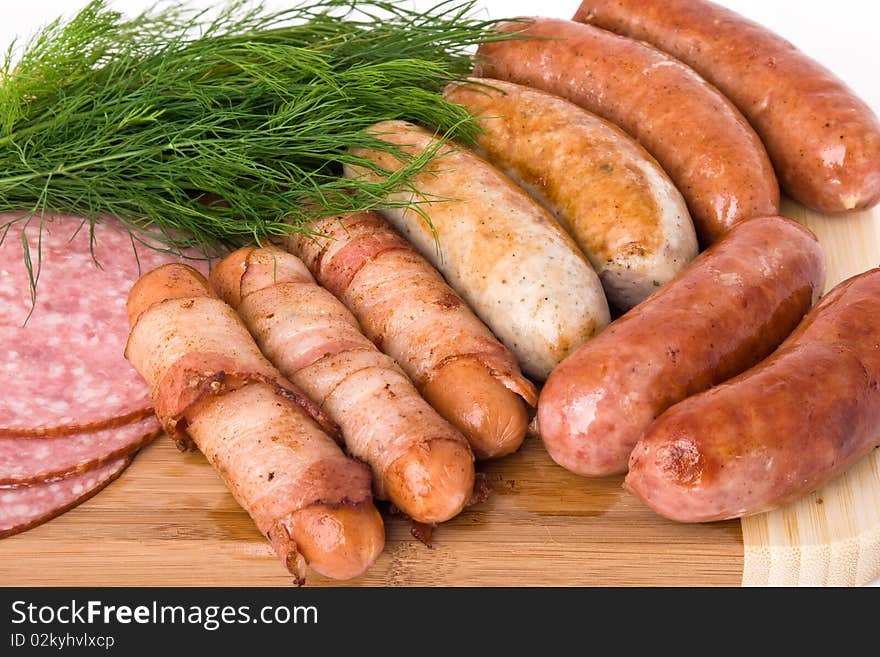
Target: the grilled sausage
pixel 824 141
pixel 606 191
pixel 702 141
pixel 498 248
pixel 780 430
pixel 727 311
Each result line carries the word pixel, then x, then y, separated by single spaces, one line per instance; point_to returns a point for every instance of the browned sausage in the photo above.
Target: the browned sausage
pixel 731 308
pixel 702 141
pixel 263 436
pixel 504 253
pixel 610 195
pixel 780 430
pixel 824 141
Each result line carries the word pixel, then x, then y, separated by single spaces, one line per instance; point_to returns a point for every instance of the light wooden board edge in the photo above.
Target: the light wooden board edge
pixel 831 537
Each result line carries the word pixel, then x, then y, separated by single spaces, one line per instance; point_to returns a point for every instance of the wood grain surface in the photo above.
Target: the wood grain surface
pixel 169 520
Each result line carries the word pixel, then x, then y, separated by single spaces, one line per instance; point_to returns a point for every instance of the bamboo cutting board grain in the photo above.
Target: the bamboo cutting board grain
pixel 169 521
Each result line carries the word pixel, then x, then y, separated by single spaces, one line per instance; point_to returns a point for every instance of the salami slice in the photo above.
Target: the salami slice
pixel 65 379
pixel 25 507
pixel 25 460
pixel 61 357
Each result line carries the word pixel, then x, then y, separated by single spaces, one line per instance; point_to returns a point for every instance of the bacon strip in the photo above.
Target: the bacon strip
pixel 190 348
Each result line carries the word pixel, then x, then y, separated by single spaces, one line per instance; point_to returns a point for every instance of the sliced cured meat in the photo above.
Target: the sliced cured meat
pixel 66 381
pixel 64 350
pixel 25 460
pixel 81 269
pixel 25 507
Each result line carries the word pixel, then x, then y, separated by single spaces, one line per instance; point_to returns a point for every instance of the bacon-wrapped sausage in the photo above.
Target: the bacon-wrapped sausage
pixel 264 437
pixel 409 311
pixel 420 462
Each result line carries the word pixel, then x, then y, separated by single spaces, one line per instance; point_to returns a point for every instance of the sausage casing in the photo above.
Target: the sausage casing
pixel 823 139
pixel 778 431
pixel 497 247
pixel 699 138
pixel 603 187
pixel 727 311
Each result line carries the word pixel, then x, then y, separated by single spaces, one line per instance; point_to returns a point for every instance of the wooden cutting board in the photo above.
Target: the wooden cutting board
pixel 169 521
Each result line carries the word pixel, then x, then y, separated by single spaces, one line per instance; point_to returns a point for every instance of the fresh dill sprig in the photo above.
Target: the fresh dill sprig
pixel 223 127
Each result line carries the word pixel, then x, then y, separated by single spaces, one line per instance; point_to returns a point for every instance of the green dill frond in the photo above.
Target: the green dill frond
pixel 222 127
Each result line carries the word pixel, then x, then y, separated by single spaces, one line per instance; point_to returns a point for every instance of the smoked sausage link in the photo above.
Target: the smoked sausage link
pixel 780 430
pixel 823 139
pixel 699 138
pixel 727 311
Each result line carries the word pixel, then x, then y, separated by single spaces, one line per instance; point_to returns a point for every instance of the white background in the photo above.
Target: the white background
pixel 843 35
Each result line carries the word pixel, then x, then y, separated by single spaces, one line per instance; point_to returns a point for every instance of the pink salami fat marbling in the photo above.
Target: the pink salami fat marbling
pixel 61 352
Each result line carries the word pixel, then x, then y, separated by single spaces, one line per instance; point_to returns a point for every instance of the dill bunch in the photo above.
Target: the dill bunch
pixel 223 127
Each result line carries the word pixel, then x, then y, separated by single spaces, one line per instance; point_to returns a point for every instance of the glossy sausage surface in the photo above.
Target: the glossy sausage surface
pixel 780 430
pixel 699 138
pixel 823 139
pixel 727 311
pixel 608 193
